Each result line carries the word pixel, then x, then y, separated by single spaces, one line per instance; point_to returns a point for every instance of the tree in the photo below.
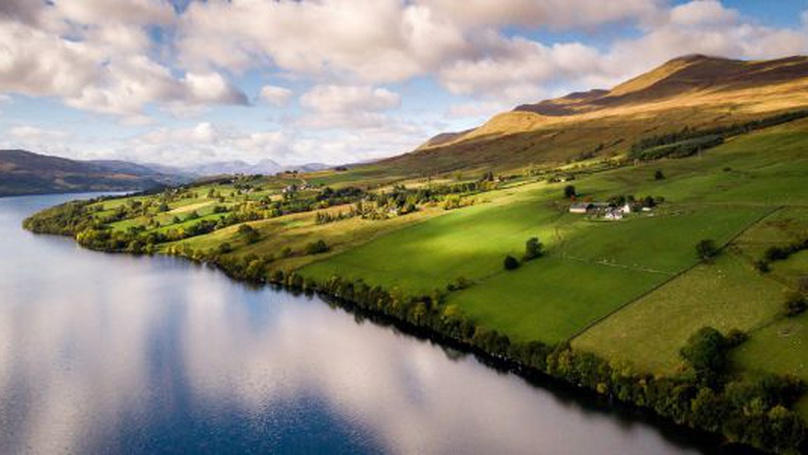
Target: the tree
pixel 510 263
pixel 569 191
pixel 224 248
pixel 658 175
pixel 706 249
pixel 705 351
pixel 316 247
pixel 533 249
pixel 249 233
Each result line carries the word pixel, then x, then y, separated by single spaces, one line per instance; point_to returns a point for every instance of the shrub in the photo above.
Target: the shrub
pixel 459 283
pixel 316 247
pixel 533 249
pixel 249 233
pixel 510 263
pixel 795 305
pixel 706 249
pixel 224 248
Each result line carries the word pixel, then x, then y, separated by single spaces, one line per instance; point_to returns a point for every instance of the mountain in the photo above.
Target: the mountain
pixel 694 91
pixel 234 167
pixel 263 167
pixel 23 172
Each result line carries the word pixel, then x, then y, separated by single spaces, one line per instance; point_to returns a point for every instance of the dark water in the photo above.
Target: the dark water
pixel 108 353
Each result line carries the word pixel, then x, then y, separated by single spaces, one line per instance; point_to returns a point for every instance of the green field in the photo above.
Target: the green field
pixel 470 243
pixel 727 294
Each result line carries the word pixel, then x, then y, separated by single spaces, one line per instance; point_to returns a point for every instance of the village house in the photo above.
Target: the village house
pixel 588 207
pixel 601 209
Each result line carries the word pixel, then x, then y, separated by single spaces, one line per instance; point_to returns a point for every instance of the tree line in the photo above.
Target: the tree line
pixel 689 141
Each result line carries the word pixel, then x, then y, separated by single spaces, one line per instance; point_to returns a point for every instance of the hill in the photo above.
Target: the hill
pixel 688 92
pixel 23 172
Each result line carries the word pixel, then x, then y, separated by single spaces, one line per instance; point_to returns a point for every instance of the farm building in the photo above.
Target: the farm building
pixel 587 207
pixel 580 207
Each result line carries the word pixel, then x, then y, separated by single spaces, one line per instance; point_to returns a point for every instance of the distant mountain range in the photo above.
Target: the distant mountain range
pixel 264 167
pixel 23 172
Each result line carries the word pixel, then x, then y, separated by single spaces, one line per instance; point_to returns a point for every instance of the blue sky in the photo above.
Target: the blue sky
pixel 332 80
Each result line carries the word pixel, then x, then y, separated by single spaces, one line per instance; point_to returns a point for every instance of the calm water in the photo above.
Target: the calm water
pixel 108 353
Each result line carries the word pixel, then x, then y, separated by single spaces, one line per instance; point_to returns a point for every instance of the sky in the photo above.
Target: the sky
pixel 187 82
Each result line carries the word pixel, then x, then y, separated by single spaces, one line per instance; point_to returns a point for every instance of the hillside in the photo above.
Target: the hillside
pixel 23 172
pixel 693 91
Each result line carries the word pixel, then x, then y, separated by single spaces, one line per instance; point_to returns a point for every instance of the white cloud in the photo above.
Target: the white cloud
pixel 519 70
pixel 347 106
pixel 346 99
pixel 203 142
pixel 545 13
pixel 32 133
pixel 277 96
pixel 212 88
pixel 379 41
pixel 96 56
pixel 477 109
pixel 700 27
pixel 704 12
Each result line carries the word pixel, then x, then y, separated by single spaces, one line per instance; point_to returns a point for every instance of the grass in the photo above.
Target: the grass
pixel 470 242
pixel 727 294
pixel 781 348
pixel 549 298
pixel 635 254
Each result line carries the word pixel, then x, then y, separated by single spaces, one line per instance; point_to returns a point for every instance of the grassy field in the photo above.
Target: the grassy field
pixel 553 298
pixel 727 294
pixel 781 347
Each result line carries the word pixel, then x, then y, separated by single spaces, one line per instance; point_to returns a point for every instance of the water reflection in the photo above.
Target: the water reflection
pixel 106 353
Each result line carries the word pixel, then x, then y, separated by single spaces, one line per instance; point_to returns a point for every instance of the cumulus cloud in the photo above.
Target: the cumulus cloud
pixel 347 106
pixel 204 142
pixel 335 98
pixel 27 133
pixel 208 142
pixel 95 56
pixel 379 41
pixel 705 12
pixel 277 96
pixel 559 14
pixel 705 27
